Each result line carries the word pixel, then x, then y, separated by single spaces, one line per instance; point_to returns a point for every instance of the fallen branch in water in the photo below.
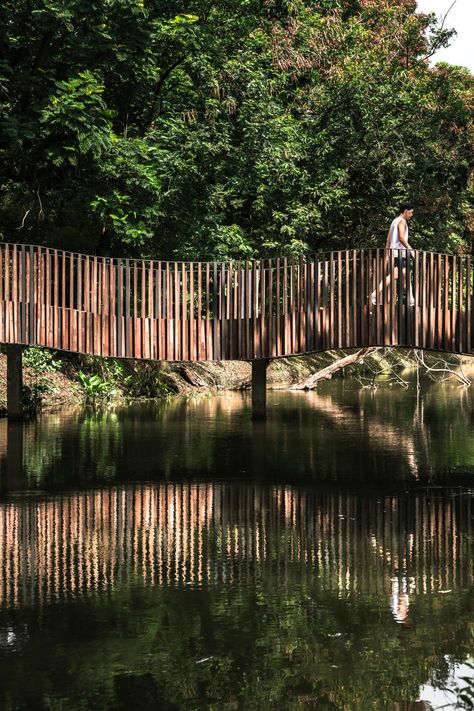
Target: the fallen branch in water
pixel 311 382
pixel 443 367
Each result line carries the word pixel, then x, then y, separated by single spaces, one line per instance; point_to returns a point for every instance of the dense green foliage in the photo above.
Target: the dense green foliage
pixel 229 129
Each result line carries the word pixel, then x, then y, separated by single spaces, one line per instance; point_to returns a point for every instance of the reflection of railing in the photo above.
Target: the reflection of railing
pixel 169 534
pixel 237 310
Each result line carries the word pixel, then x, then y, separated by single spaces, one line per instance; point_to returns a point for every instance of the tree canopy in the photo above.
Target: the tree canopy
pixel 230 129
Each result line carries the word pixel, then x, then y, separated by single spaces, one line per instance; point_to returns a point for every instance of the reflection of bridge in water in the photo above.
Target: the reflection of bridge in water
pixel 78 544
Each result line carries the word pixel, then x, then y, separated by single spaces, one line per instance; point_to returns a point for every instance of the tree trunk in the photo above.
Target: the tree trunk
pixel 326 373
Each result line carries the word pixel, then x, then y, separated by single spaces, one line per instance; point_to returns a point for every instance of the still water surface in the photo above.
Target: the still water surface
pixel 177 556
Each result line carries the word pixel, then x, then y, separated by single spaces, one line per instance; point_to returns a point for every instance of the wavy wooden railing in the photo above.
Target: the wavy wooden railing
pixel 241 310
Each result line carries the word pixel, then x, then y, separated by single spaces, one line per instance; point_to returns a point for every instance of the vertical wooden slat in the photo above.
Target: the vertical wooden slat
pixel 401 291
pixel 285 308
pixel 14 338
pixel 159 312
pixel 222 311
pixel 301 309
pixel 176 313
pixel 215 311
pixel 354 308
pixel 64 329
pixel 169 313
pixel 393 299
pixel 256 315
pixel 452 343
pixel 324 300
pixel 332 335
pixel 184 304
pixel 119 313
pixel 208 325
pixel 277 335
pixel 271 351
pixel 72 329
pixel 238 316
pixel 193 355
pixel 339 299
pixel 2 295
pixel 31 304
pixel 416 296
pixel 460 305
pixel 446 339
pixel 151 311
pixel 56 319
pixel 346 300
pixel 317 301
pixel 439 305
pixel 23 294
pixel 262 329
pixel 431 300
pixel 113 308
pixel 362 299
pixel 230 311
pixel 469 305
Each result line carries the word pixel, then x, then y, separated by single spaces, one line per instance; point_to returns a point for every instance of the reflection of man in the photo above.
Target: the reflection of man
pixel 400 599
pixel 397 239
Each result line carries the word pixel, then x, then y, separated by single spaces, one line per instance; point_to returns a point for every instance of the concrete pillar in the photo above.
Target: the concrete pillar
pixel 259 389
pixel 15 382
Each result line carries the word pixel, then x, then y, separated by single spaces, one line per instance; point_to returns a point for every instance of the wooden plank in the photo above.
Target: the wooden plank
pixel 346 325
pixel 285 350
pixel 193 352
pixel 355 310
pixel 159 311
pixel 362 270
pixel 339 299
pixel 469 305
pixel 169 312
pixel 460 314
pixel 261 333
pixel 215 311
pixel 23 294
pixel 31 297
pixel 317 302
pixel 64 328
pixel 7 293
pixel 72 330
pixel 292 307
pixel 208 324
pixel 439 305
pixel 393 300
pixel 222 308
pixel 446 303
pixel 301 309
pixel 452 342
pixel 55 342
pixel 113 345
pixel 416 297
pixel 230 310
pixel 105 333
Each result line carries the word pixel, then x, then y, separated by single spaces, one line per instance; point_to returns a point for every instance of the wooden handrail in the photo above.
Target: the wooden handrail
pixel 239 310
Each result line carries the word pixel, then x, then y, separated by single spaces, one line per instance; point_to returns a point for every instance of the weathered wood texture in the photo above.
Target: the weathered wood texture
pixel 240 310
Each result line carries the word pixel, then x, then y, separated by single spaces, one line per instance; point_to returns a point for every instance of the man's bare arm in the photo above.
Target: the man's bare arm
pixel 402 227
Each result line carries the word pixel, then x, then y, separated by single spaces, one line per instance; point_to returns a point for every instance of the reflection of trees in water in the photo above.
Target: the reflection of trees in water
pixel 178 534
pixel 332 434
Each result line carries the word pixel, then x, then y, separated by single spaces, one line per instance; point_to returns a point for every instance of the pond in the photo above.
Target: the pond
pixel 176 555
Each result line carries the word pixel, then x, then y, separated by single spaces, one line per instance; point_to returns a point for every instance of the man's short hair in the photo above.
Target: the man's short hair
pixel 406 206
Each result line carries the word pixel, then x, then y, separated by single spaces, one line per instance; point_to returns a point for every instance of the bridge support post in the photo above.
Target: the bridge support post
pixel 15 382
pixel 259 389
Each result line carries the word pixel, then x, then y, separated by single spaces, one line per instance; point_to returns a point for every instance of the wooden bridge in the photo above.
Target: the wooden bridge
pixel 241 310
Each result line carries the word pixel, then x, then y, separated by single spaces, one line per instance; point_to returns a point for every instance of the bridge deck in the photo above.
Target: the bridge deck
pixel 242 310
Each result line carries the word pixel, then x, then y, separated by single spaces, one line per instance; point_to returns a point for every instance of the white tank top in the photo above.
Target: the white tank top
pixel 394 239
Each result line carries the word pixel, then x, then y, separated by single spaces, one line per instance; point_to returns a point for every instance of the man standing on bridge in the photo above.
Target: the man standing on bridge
pixel 397 239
